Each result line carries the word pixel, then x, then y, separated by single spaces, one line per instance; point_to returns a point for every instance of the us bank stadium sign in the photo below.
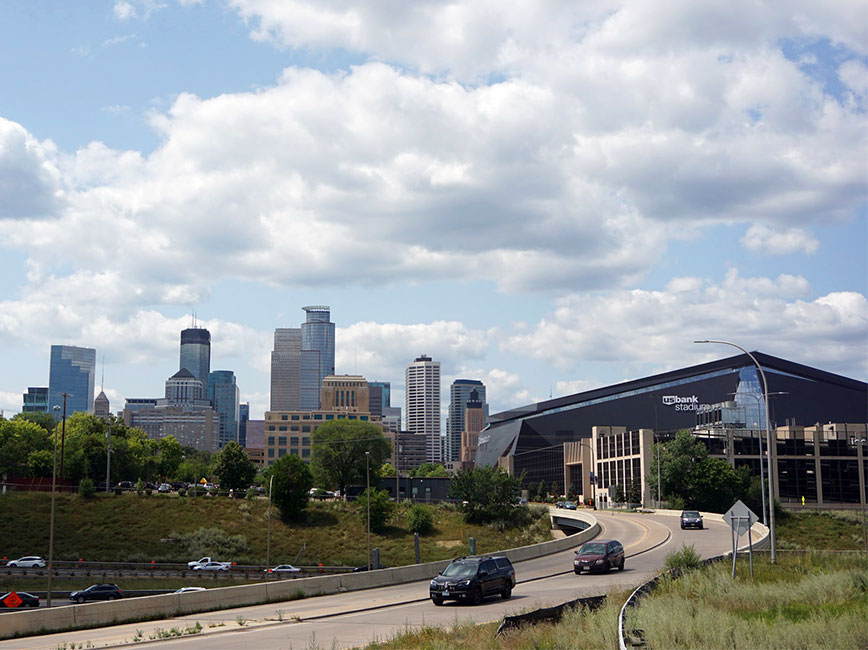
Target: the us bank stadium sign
pixel 683 403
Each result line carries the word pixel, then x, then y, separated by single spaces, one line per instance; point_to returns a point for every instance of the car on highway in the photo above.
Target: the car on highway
pixel 283 568
pixel 559 504
pixel 164 488
pixel 27 562
pixel 691 519
pixel 472 579
pixel 209 486
pixel 569 505
pixel 125 485
pixel 184 590
pixel 25 599
pixel 97 592
pixel 211 566
pixel 599 555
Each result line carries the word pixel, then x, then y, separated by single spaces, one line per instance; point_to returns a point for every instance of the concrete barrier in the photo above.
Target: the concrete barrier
pixel 169 605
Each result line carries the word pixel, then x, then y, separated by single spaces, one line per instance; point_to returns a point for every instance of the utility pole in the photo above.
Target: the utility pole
pixel 368 481
pixel 62 436
pixel 51 524
pixel 108 459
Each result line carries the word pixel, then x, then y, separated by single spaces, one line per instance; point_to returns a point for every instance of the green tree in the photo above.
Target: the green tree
pixel 556 489
pixel 41 418
pixel 571 492
pixel 387 470
pixel 339 447
pixel 291 487
pixel 170 455
pixel 19 438
pixel 542 492
pixel 381 508
pixel 487 494
pixel 634 491
pixel 233 467
pixel 419 519
pixel 430 470
pixel 616 493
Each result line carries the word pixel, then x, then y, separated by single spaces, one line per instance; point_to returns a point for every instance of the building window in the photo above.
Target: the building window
pixel 293 441
pixel 317 416
pixel 293 427
pixel 305 428
pixel 283 417
pixel 271 453
pixel 281 453
pixel 282 427
pixel 271 427
pixel 305 453
pixel 271 440
pixel 281 441
pixel 329 416
pixel 305 441
pixel 363 418
pixel 295 417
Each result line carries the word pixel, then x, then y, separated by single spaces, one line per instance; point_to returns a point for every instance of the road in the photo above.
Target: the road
pixel 355 618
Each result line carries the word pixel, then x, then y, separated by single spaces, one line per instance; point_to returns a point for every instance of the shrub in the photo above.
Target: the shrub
pixel 251 494
pixel 381 508
pixel 684 559
pixel 419 519
pixel 86 488
pixel 210 541
pixel 182 492
pixel 148 491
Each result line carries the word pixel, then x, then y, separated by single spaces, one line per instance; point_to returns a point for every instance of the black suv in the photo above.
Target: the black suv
pixel 691 519
pixel 473 578
pixel 96 592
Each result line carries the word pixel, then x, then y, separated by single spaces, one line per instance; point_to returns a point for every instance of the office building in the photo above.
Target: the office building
pixel 422 403
pixel 286 370
pixel 36 400
pixel 459 393
pixel 301 359
pixel 243 419
pixel 255 446
pixel 317 354
pixel 101 405
pixel 223 393
pixel 72 372
pixel 474 422
pixel 196 352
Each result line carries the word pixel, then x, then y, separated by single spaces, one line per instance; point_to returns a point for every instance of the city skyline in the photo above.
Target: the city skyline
pixel 548 198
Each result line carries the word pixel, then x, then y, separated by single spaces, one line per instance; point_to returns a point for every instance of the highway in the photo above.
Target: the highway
pixel 355 618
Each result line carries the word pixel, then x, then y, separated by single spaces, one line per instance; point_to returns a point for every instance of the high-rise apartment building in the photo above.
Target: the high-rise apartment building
pixel 422 404
pixel 71 371
pixel 301 359
pixel 196 352
pixel 223 393
pixel 36 400
pixel 459 393
pixel 317 354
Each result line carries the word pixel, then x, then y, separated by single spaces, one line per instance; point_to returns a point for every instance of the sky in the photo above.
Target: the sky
pixel 546 196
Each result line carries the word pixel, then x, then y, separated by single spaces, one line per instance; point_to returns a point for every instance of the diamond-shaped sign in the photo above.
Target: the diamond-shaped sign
pixel 12 600
pixel 740 517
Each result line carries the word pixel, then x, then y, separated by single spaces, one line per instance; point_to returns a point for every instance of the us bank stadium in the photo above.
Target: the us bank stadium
pixel 599 439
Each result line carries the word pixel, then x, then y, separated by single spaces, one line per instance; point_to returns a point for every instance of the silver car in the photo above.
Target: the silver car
pixel 28 562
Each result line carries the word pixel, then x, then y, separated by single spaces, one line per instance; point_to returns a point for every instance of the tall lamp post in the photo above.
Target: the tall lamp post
pixel 63 434
pixel 51 524
pixel 771 523
pixel 268 535
pixel 368 484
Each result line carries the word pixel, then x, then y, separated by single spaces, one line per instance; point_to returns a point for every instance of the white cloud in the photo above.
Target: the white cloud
pixel 136 9
pixel 29 179
pixel 763 314
pixel 767 241
pixel 10 403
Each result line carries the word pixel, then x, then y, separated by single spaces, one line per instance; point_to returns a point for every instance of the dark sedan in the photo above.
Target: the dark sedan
pixel 23 599
pixel 97 592
pixel 599 555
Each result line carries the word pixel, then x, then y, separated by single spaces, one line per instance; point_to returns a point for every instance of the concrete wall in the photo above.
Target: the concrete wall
pixel 167 605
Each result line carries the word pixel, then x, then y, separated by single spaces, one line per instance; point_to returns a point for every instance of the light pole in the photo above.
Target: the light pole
pixel 368 482
pixel 62 435
pixel 108 458
pixel 268 538
pixel 51 524
pixel 771 523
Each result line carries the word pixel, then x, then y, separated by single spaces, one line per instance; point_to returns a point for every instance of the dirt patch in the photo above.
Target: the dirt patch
pixel 449 543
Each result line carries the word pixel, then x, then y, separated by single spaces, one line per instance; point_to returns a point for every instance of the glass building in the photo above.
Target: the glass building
pixel 196 352
pixel 243 419
pixel 36 400
pixel 224 396
pixel 72 371
pixel 317 354
pixel 459 395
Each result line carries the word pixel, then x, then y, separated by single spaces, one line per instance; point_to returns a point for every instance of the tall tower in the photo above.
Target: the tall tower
pixel 317 354
pixel 196 352
pixel 474 422
pixel 225 399
pixel 459 394
pixel 72 371
pixel 422 404
pixel 286 370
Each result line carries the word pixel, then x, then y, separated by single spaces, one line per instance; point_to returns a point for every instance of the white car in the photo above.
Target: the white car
pixel 283 568
pixel 164 488
pixel 184 590
pixel 28 562
pixel 211 566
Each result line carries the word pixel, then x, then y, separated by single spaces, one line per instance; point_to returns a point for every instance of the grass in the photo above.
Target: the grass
pixel 131 528
pixel 829 529
pixel 812 600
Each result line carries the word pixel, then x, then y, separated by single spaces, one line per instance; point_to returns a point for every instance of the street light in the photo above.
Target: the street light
pixel 51 524
pixel 771 522
pixel 368 482
pixel 268 538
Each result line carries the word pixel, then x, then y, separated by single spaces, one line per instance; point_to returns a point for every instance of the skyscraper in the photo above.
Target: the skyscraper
pixel 286 370
pixel 317 354
pixel 301 359
pixel 459 394
pixel 101 405
pixel 71 371
pixel 36 400
pixel 422 404
pixel 474 422
pixel 243 419
pixel 196 352
pixel 225 399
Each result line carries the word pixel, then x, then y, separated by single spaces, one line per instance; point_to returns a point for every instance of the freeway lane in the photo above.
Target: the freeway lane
pixel 354 618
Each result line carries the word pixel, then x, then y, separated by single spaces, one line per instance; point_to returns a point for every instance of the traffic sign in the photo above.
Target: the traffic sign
pixel 740 517
pixel 12 600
